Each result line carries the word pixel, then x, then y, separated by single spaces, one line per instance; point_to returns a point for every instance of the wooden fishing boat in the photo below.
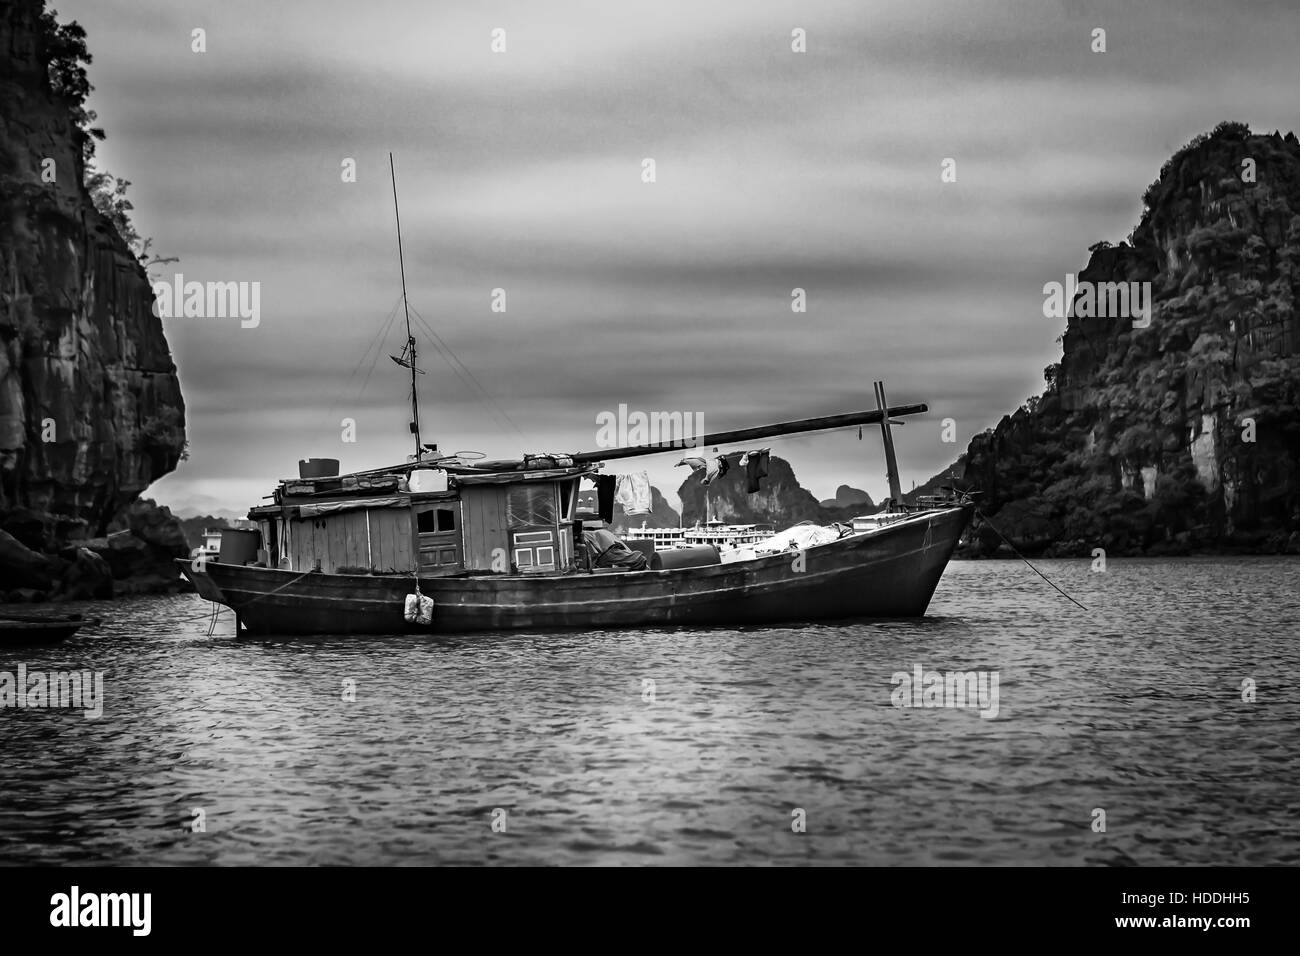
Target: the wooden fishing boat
pixel 23 629
pixel 887 573
pixel 502 545
pixel 499 546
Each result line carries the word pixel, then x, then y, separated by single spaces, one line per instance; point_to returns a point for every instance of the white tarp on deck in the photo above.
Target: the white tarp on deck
pixel 798 538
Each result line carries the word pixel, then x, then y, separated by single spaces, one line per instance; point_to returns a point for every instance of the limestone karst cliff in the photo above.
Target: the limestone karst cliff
pixel 1180 433
pixel 90 405
pixel 781 501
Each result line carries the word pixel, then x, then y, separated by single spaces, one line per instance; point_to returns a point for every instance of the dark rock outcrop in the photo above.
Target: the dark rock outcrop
pixel 141 549
pixel 23 567
pixel 90 405
pixel 88 577
pixel 662 514
pixel 780 502
pixel 846 497
pixel 1184 435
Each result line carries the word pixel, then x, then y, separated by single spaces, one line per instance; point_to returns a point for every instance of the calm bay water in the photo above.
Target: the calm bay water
pixel 1134 707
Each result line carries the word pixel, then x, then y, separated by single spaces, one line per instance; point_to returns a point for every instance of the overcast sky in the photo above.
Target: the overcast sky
pixel 522 170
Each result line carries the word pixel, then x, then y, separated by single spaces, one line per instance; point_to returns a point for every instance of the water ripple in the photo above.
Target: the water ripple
pixel 752 745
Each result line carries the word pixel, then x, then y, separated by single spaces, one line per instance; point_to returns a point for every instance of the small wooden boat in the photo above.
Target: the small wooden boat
pixel 19 629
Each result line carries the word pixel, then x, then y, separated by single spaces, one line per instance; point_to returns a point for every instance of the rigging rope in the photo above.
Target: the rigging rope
pixel 1021 556
pixel 381 333
pixel 468 378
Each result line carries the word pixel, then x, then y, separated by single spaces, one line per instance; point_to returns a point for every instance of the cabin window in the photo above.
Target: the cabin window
pixel 531 505
pixel 436 519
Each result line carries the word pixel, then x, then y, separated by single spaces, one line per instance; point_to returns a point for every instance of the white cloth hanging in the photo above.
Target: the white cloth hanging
pixel 633 493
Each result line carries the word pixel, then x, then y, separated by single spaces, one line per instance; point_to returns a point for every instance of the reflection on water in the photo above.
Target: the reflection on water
pixel 1134 707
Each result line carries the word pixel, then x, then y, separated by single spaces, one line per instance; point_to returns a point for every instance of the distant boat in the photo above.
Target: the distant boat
pixel 446 544
pixel 22 629
pixel 211 547
pixel 723 536
pixel 714 532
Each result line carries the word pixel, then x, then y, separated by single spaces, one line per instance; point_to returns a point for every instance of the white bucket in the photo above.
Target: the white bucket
pixel 424 480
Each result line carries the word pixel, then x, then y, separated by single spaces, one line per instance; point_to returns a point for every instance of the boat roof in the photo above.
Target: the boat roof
pixel 382 487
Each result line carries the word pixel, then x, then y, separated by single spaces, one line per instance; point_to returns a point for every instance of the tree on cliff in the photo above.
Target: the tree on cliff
pixel 62 46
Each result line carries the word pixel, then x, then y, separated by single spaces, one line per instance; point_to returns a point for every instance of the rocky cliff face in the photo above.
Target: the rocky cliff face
pixel 90 406
pixel 1183 435
pixel 848 497
pixel 662 515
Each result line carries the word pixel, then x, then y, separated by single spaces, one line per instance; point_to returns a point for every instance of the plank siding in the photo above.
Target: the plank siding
pixel 484 516
pixel 390 532
pixel 400 529
pixel 378 527
pixel 340 540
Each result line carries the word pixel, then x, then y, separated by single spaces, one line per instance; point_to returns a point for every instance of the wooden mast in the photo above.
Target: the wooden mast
pixel 891 462
pixel 409 351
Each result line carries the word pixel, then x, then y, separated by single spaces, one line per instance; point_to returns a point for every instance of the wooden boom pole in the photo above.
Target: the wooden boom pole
pixel 847 420
pixel 754 434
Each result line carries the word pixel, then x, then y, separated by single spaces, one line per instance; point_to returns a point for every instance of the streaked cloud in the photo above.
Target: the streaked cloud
pixel 521 171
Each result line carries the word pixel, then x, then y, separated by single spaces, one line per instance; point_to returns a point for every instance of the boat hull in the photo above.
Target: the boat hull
pixel 890 572
pixel 24 631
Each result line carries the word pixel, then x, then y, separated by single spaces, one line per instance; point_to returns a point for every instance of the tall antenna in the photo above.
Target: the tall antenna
pixel 408 353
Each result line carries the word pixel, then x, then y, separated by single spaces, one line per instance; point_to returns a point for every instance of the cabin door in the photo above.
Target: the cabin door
pixel 438 540
pixel 534 534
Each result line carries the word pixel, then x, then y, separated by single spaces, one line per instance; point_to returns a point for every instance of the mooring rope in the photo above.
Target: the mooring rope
pixel 1021 556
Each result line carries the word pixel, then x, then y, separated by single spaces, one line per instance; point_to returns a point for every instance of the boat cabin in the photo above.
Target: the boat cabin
pixel 430 521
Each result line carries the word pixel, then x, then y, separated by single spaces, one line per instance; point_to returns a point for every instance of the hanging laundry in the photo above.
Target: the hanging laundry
pixel 713 469
pixel 605 485
pixel 756 469
pixel 634 493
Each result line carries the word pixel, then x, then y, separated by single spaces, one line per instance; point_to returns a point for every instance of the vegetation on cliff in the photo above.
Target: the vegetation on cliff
pixel 62 46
